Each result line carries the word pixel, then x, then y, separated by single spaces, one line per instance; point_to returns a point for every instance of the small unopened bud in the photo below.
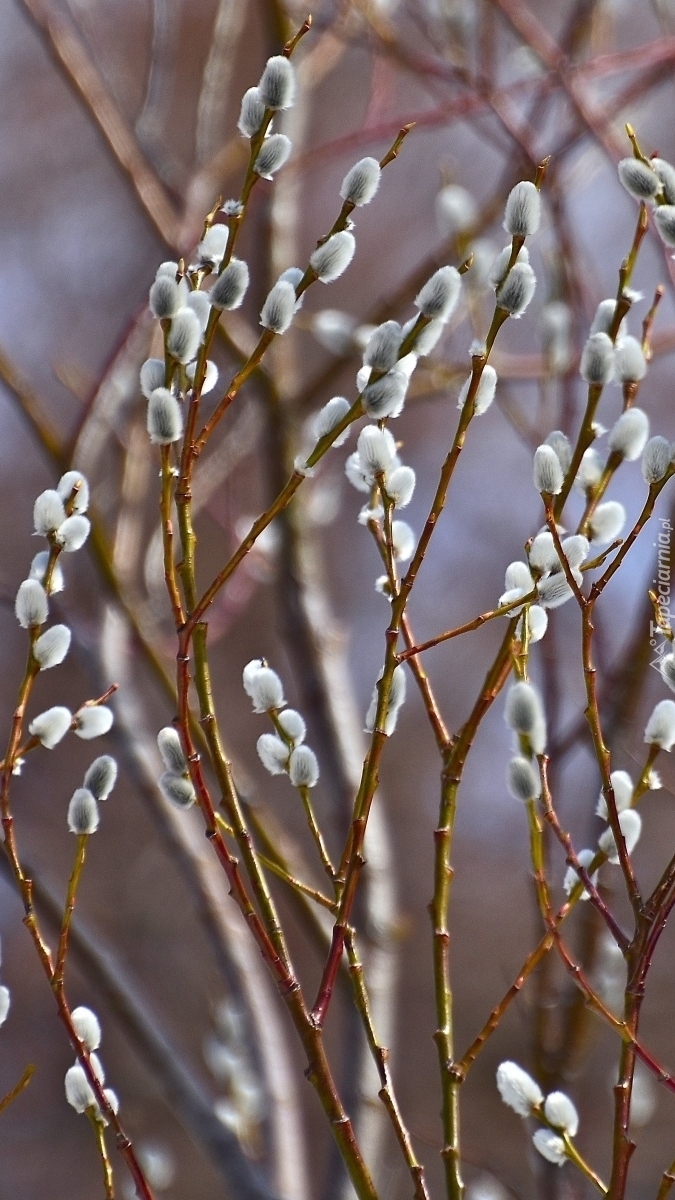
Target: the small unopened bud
pixel 518 576
pixel 79 1092
pixel 277 83
pixel 293 725
pixel 515 293
pixel 456 210
pixel 230 287
pixel 152 376
pixel 607 521
pixel 590 470
pixel 660 729
pixel 303 768
pixel 73 533
pixel 272 155
pixel 622 786
pixel 264 687
pixel 356 475
pixel 210 374
pixel 426 338
pixel 554 590
pixel 548 474
pixel 214 243
pixel 403 540
pixel 396 699
pixel 166 297
pixel 438 298
pixel 604 317
pixel 185 336
pixel 518 1089
pixel 575 549
pixel 48 512
pixel 630 823
pixel 559 1110
pixel 273 753
pixel 497 271
pixel 67 484
pixel 251 113
pixel 383 346
pixel 51 647
pixel 279 307
pixel 664 219
pixel 522 780
pixel 169 268
pixel 597 360
pixel 164 417
pixel 31 605
pixel 177 789
pixel 638 179
pixel 376 449
pixel 525 715
pixel 87 1027
pixel 93 721
pixel 571 879
pixel 560 442
pixel 629 360
pixel 171 749
pixel 361 182
pixel 200 304
pixel 100 776
pixel 83 815
pixel 523 210
pixel 400 485
pixel 629 434
pixel 550 1146
pixel 666 174
pixel 485 392
pixel 537 622
pixel 385 397
pixel 655 459
pixel 38 570
pixel 333 256
pixel 51 726
pixel 331 415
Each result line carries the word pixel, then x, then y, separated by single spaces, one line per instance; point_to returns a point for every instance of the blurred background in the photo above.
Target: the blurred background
pixel 118 135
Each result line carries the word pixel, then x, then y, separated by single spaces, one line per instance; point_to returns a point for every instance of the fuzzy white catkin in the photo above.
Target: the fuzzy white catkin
pixel 279 307
pixel 604 316
pixel 518 576
pixel 498 269
pixel 48 512
pixel 355 474
pixel 396 699
pixel 38 570
pixel 329 416
pixel 400 485
pixel 590 470
pixel 383 346
pixel 638 179
pixel 361 182
pixel 560 1111
pixel 660 730
pixel 31 605
pixel 537 622
pixel 277 83
pixel 79 503
pixel 93 721
pixel 251 113
pixel 524 714
pixel 87 1027
pixel 377 449
pixel 230 287
pixel 547 472
pixel 73 533
pixel 79 1092
pixel 622 786
pixel 571 878
pixel 83 815
pixel 210 374
pixel 597 360
pixel 293 725
pixel 5 1000
pixel 607 521
pixel 152 376
pixel 523 210
pixel 456 210
pixel 185 336
pixel 522 780
pixel 560 442
pixel 517 290
pixel 201 307
pixel 176 789
pixel 426 338
pixel 214 243
pixel 166 298
pixel 655 459
pixel 403 540
pixel 550 1146
pixel 485 393
pixel 543 554
pixel 575 549
pixel 554 590
pixel 629 434
pixel 303 767
pixel 164 417
pixel 265 689
pixel 167 268
pixel 666 174
pixel 629 360
pixel 664 219
pixel 273 153
pixel 171 750
pixel 51 726
pixel 438 298
pixel 273 753
pixel 51 647
pixel 100 776
pixel 518 1089
pixel 385 397
pixel 333 256
pixel 630 822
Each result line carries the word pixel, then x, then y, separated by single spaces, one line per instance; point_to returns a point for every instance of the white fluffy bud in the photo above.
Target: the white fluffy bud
pixel 177 789
pixel 607 521
pixel 38 570
pixel 73 533
pixel 230 287
pixel 31 605
pixel 293 725
pixel 82 813
pixel 456 210
pixel 548 474
pixel 51 726
pixel 590 470
pixel 597 360
pixel 629 360
pixel 264 687
pixel 560 442
pixel 152 376
pixel 522 780
pixel 273 753
pixel 303 768
pixel 100 776
pixel 525 715
pixel 655 459
pixel 166 297
pixel 185 335
pixel 52 646
pixel 376 449
pixel 383 346
pixel 438 298
pixel 273 153
pixel 403 540
pixel 400 485
pixel 518 1089
pixel 622 786
pixel 517 290
pixel 664 219
pixel 666 174
pixel 48 512
pixel 485 392
pixel 559 1110
pixel 630 822
pixel 164 417
pixel 333 256
pixel 361 182
pixel 523 210
pixel 638 179
pixel 93 721
pixel 385 397
pixel 550 1146
pixel 279 307
pixel 660 729
pixel 79 1092
pixel 277 83
pixel 171 750
pixel 554 590
pixel 629 434
pixel 213 246
pixel 604 317
pixel 571 879
pixel 87 1027
pixel 70 481
pixel 251 113
pixel 329 416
